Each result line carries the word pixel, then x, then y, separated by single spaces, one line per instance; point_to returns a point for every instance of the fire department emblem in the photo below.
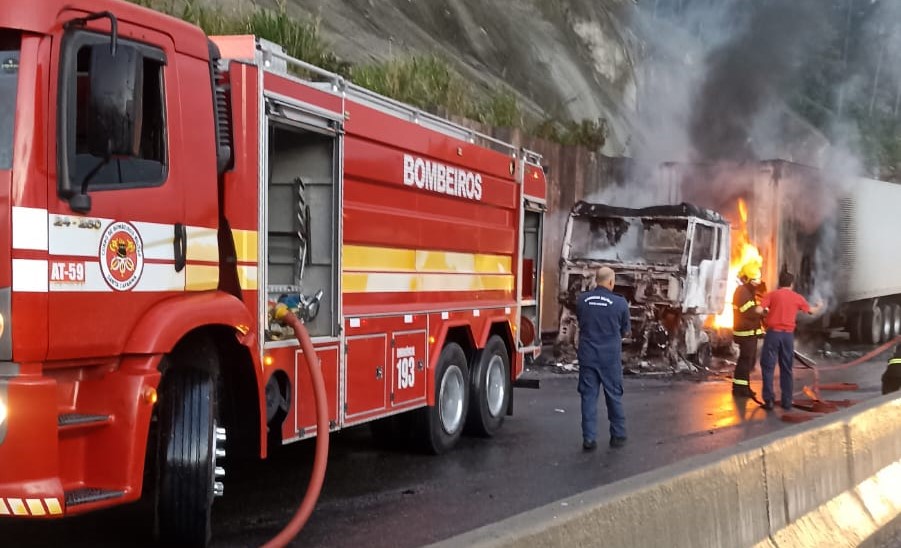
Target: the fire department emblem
pixel 121 256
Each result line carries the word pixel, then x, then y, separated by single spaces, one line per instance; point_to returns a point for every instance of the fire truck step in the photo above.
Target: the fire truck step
pixel 71 420
pixel 90 494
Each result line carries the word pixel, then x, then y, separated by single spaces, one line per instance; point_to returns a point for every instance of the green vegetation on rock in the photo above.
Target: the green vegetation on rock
pixel 429 82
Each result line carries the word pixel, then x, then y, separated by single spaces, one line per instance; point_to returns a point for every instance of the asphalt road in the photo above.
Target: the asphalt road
pixel 393 498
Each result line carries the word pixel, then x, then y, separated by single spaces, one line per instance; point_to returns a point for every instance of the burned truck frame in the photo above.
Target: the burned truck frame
pixel 671 264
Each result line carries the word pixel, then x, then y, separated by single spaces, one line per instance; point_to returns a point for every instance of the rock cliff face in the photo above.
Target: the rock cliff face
pixel 563 58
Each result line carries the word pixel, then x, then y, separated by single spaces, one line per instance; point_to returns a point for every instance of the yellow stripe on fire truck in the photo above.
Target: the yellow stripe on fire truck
pixel 380 269
pixel 30 507
pixel 387 282
pixel 386 259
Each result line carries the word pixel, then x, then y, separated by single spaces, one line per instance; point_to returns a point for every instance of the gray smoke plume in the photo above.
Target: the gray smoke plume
pixel 749 78
pixel 717 88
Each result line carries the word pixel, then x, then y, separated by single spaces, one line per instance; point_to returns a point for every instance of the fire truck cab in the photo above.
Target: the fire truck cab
pixel 161 192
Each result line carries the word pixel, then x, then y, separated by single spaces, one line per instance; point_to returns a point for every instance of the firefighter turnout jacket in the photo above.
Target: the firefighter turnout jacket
pixel 746 321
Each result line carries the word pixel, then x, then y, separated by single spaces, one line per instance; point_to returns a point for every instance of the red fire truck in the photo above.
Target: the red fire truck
pixel 162 192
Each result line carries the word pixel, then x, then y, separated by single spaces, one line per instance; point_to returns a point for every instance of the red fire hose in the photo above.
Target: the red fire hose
pixel 817 405
pixel 866 357
pixel 322 431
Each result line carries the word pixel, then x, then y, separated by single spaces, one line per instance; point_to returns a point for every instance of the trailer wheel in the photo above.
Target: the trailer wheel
pixel 442 423
pixel 888 321
pixel 896 320
pixel 186 461
pixel 872 325
pixel 490 389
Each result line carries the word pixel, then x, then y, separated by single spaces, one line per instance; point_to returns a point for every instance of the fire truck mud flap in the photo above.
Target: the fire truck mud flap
pixel 29 481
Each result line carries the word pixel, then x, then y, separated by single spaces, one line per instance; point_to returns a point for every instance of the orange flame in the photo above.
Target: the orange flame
pixel 743 252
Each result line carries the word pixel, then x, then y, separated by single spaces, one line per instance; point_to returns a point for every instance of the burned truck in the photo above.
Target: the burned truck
pixel 671 264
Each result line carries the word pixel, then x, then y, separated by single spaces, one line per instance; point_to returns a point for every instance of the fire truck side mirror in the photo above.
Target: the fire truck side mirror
pixel 116 102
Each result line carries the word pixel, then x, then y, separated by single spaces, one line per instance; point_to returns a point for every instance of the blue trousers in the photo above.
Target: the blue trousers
pixel 591 377
pixel 778 345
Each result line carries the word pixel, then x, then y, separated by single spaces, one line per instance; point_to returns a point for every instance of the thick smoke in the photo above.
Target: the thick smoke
pixel 717 87
pixel 748 77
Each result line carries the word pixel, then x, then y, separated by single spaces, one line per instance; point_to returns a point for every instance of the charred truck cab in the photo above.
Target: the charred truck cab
pixel 671 265
pixel 162 192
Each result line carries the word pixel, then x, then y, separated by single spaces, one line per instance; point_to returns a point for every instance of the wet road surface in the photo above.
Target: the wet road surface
pixel 379 498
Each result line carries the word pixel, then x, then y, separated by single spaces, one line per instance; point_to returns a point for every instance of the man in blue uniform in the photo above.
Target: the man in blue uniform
pixel 603 322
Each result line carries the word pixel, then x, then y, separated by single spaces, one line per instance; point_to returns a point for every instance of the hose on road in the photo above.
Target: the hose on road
pixel 320 460
pixel 866 357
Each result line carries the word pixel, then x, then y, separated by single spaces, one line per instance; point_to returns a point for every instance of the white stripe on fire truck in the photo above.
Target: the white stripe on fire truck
pixel 29 228
pixel 74 236
pixel 30 275
pixel 4 511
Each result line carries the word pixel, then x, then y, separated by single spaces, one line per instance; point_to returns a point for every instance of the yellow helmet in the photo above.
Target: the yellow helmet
pixel 750 271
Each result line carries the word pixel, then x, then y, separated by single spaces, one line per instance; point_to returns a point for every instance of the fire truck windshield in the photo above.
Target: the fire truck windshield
pixel 9 78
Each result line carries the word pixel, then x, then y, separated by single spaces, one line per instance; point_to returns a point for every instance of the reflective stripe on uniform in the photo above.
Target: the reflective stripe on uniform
pixel 894 361
pixel 740 382
pixel 748 333
pixel 746 306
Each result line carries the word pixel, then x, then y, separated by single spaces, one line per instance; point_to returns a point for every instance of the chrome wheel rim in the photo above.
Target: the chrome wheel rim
pixel 495 387
pixel 876 326
pixel 450 399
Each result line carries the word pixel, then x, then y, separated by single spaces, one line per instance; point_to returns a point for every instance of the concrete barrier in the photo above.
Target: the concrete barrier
pixel 834 481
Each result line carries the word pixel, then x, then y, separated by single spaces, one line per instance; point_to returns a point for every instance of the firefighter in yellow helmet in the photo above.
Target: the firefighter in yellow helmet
pixel 746 329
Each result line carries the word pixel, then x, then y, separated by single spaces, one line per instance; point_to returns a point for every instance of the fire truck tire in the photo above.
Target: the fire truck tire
pixel 442 424
pixel 186 461
pixel 489 391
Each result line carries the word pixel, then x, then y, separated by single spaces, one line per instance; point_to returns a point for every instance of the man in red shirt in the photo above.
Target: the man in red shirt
pixel 782 306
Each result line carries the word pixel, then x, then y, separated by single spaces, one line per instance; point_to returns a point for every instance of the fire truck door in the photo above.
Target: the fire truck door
pixel 530 289
pixel 120 236
pixel 302 200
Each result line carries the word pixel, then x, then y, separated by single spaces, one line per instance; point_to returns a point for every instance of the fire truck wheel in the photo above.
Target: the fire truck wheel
pixel 185 474
pixel 443 422
pixel 489 389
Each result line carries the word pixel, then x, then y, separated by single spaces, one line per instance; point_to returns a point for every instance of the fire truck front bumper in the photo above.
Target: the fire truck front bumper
pixel 30 483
